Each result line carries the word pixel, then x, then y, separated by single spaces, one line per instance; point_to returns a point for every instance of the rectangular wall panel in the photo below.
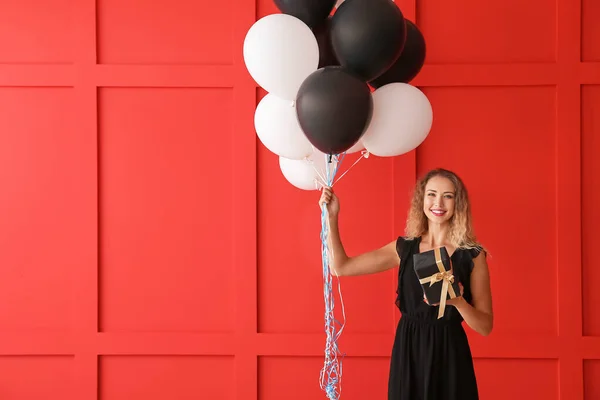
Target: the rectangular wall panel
pixel 165 209
pixel 33 377
pixel 157 377
pixel 38 32
pixel 514 146
pixel 491 32
pixel 42 208
pixel 297 378
pixel 590 215
pixel 590 30
pixel 519 378
pixel 164 34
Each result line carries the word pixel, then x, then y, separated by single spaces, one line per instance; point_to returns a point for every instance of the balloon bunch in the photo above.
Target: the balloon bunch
pixel 337 80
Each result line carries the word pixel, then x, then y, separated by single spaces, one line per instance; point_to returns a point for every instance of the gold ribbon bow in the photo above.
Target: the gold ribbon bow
pixel 447 279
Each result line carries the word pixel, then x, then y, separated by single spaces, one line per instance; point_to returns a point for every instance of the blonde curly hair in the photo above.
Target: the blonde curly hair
pixel 462 234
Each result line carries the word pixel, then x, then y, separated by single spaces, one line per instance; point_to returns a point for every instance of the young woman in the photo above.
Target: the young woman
pixel 431 358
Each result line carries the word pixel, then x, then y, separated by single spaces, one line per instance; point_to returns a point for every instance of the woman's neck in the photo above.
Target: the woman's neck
pixel 437 235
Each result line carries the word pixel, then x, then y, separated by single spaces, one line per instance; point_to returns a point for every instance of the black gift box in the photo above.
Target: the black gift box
pixel 434 270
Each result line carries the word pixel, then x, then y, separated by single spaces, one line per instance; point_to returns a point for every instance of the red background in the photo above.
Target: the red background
pixel 150 247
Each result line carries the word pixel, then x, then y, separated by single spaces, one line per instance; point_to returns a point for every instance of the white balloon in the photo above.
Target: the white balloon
pixel 318 160
pixel 278 129
pixel 299 173
pixel 306 174
pixel 402 118
pixel 280 51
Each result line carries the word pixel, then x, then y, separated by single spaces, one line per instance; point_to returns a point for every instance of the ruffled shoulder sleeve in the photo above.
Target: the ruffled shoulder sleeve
pixel 403 247
pixel 472 254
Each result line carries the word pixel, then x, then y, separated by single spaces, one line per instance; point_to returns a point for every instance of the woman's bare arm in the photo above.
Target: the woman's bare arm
pixel 341 264
pixel 371 262
pixel 479 316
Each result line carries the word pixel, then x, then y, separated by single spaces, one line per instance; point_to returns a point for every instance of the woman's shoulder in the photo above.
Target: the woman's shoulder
pixel 471 255
pixel 404 244
pixel 476 250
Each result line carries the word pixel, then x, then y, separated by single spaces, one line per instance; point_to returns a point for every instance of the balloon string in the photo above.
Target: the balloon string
pixel 331 373
pixel 320 177
pixel 323 180
pixel 364 154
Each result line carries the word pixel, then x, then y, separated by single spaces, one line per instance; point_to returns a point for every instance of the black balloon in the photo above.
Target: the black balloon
pixel 368 36
pixel 334 108
pixel 323 34
pixel 311 12
pixel 410 62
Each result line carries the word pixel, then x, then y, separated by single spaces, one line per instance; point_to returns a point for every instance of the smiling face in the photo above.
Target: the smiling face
pixel 439 199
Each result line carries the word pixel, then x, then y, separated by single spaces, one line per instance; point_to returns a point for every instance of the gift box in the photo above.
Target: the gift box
pixel 434 270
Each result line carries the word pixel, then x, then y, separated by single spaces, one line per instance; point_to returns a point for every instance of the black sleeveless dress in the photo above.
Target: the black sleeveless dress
pixel 431 358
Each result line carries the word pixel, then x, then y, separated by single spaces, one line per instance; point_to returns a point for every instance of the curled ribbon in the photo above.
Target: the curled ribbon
pixel 447 279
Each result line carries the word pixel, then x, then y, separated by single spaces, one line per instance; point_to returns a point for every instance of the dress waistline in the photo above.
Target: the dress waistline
pixel 430 321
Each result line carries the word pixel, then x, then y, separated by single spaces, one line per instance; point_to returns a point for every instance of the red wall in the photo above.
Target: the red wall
pixel 150 248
